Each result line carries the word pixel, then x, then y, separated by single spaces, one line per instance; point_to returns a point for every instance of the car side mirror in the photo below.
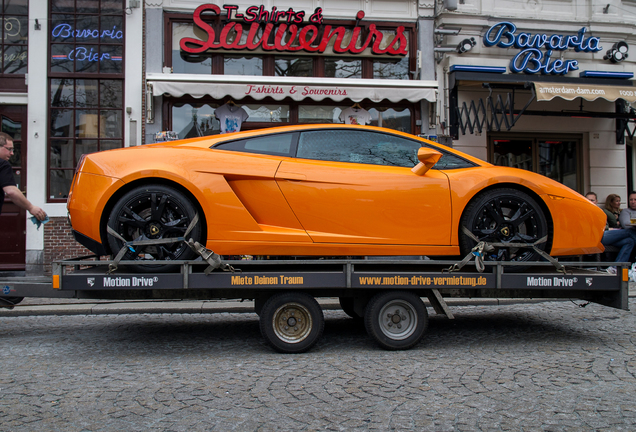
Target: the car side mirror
pixel 427 157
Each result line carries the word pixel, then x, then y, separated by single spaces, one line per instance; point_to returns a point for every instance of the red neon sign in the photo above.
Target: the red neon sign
pixel 298 39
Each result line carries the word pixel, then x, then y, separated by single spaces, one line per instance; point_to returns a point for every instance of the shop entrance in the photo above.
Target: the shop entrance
pixel 13 218
pixel 553 155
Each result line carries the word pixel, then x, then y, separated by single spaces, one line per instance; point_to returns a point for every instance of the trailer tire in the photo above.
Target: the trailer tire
pixel 13 300
pixel 291 322
pixel 396 320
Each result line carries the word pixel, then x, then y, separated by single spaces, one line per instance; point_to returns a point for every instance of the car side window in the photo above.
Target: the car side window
pixel 274 144
pixel 450 161
pixel 358 147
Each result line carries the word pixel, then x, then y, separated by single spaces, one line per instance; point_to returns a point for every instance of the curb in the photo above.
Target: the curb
pixel 206 307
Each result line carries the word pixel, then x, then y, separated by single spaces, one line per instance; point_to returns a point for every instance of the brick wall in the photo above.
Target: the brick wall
pixel 59 243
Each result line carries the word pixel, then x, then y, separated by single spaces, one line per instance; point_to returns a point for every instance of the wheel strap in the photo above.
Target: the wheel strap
pixel 478 252
pixel 128 245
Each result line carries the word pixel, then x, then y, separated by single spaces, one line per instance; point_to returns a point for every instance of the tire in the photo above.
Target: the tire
pixel 12 300
pixel 396 320
pixel 505 216
pixel 154 212
pixel 291 322
pixel 347 306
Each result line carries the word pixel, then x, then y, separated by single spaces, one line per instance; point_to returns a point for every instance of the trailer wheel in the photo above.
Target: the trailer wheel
pixel 397 320
pixel 291 322
pixel 13 300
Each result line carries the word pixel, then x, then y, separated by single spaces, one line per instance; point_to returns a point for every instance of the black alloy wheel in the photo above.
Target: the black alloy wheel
pixel 505 216
pixel 154 212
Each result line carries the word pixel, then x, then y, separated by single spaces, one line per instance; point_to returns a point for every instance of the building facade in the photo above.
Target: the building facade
pixel 79 76
pixel 544 85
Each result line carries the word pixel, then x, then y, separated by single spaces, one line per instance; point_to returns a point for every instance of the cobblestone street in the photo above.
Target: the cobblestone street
pixel 544 366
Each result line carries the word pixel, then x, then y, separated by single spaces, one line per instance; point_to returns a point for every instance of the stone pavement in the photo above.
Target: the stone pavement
pixel 548 366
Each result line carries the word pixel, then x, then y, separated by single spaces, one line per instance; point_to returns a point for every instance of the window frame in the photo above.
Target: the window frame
pixel 17 81
pixel 75 77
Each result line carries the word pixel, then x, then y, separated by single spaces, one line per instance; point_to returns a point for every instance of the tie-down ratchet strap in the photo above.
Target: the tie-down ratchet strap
pixel 483 247
pixel 128 245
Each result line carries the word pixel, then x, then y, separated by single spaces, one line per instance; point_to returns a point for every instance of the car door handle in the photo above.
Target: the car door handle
pixel 291 176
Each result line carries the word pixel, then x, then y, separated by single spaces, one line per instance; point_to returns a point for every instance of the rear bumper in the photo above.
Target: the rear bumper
pixel 95 247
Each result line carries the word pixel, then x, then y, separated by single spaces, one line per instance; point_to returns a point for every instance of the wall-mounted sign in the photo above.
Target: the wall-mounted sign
pixel 85 53
pixel 288 36
pixel 536 50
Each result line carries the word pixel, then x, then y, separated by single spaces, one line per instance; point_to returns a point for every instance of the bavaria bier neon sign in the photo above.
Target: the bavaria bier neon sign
pixel 531 59
pixel 288 35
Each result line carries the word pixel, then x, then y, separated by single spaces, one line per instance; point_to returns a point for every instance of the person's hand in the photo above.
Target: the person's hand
pixel 38 213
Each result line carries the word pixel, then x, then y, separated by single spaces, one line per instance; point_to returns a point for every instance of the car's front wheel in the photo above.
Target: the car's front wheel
pixel 505 216
pixel 154 212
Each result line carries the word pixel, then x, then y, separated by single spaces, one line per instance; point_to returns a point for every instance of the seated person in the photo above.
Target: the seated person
pixel 612 209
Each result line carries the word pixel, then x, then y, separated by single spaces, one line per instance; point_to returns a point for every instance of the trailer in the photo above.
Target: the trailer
pixel 386 294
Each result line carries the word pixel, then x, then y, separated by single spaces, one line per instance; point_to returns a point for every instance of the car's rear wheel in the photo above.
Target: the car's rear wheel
pixel 505 216
pixel 154 212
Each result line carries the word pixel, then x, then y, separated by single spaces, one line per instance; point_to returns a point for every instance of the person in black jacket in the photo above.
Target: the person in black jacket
pixel 7 182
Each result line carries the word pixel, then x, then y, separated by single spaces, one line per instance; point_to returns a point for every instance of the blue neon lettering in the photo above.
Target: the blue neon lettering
pixel 66 31
pixel 503 30
pixel 504 35
pixel 532 60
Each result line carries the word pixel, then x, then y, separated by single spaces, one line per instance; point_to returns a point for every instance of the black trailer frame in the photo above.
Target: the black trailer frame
pixel 360 284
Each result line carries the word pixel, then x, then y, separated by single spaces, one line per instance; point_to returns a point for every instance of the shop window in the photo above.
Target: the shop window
pixel 183 62
pixel 554 157
pixel 85 116
pixel 516 153
pixel 267 113
pixel 291 66
pixel 558 161
pixel 86 37
pixel 319 113
pixel 86 85
pixel 14 39
pixel 391 69
pixel 343 68
pixel 392 118
pixel 238 65
pixel 190 121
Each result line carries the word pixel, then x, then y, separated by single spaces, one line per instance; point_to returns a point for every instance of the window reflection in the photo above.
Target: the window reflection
pixel 289 66
pixel 189 121
pixel 391 69
pixel 391 118
pixel 239 65
pixel 267 113
pixel 343 68
pixel 319 113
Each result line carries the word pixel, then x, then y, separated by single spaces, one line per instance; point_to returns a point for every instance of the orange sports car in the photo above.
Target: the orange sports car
pixel 322 190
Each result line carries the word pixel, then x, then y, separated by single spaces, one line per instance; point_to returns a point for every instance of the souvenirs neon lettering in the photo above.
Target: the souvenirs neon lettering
pixel 531 59
pixel 287 36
